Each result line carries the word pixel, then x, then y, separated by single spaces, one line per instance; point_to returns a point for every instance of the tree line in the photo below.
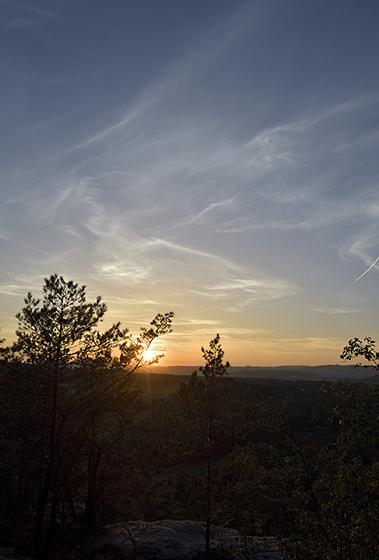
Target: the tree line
pixel 297 461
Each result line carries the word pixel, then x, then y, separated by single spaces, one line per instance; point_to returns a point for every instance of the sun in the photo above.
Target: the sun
pixel 150 355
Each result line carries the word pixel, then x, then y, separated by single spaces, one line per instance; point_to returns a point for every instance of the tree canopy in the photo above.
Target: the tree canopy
pixel 67 377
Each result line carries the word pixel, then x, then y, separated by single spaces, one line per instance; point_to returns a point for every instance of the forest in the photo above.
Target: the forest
pixel 90 437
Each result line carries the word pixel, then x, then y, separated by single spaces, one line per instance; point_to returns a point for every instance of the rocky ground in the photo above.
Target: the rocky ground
pixel 10 554
pixel 171 540
pixel 180 540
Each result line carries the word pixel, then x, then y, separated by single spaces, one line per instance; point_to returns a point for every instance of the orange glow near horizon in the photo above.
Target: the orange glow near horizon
pixel 151 354
pixel 313 352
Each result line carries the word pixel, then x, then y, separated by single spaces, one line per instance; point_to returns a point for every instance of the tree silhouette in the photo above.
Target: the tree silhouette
pixel 73 377
pixel 203 402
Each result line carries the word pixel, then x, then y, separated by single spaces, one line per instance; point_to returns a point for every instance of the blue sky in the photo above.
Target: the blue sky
pixel 214 158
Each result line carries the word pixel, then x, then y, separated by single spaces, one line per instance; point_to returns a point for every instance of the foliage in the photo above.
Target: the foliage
pixel 335 492
pixel 203 407
pixel 268 457
pixel 361 348
pixel 68 390
pixel 335 488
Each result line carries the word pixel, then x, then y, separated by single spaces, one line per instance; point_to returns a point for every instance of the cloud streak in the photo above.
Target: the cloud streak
pixel 209 160
pixel 356 280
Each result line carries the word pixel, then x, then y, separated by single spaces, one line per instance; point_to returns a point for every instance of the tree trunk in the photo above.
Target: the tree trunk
pixel 41 509
pixel 209 489
pixel 92 490
pixel 49 480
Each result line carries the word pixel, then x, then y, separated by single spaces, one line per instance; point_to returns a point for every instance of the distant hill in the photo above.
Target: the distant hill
pixel 330 371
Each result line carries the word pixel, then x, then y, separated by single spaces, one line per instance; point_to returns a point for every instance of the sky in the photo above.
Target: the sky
pixel 214 158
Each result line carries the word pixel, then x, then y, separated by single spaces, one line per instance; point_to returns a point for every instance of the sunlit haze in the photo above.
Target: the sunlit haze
pixel 215 159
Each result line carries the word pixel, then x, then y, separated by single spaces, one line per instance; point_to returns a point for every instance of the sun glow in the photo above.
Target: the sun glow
pixel 150 355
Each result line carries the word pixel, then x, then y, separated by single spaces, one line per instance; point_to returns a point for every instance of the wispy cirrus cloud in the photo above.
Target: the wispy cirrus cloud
pixel 183 179
pixel 24 14
pixel 179 74
pixel 195 167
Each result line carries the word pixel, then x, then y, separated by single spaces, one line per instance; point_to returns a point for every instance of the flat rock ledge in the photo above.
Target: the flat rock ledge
pixel 180 540
pixel 7 553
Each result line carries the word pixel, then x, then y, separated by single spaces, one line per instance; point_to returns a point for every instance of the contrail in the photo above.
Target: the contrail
pixel 356 280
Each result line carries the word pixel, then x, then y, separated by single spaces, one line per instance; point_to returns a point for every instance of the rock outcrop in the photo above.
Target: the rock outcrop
pixel 7 553
pixel 179 540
